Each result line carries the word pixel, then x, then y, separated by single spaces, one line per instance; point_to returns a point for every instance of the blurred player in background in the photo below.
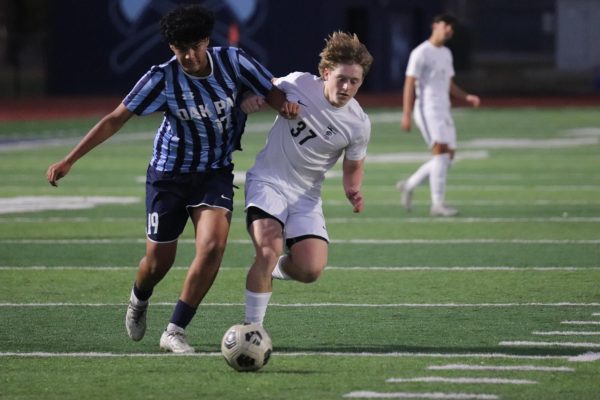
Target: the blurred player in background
pixel 283 188
pixel 430 74
pixel 190 173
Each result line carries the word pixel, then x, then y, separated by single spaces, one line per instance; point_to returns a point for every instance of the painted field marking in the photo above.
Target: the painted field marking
pixel 527 143
pixel 580 322
pixel 329 268
pixel 464 241
pixel 372 203
pixel 330 221
pixel 459 220
pixel 419 395
pixel 566 333
pixel 338 241
pixel 418 157
pixel 299 305
pixel 42 354
pixel 527 368
pixel 549 344
pixel 596 314
pixel 504 188
pixel 460 269
pixel 586 357
pixel 502 203
pixel 42 203
pixel 463 380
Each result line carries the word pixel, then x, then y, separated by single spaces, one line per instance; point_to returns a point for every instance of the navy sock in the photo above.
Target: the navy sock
pixel 183 314
pixel 142 295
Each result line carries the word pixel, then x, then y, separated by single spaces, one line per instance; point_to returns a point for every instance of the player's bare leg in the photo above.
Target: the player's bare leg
pixel 267 236
pixel 306 261
pixel 211 230
pixel 152 269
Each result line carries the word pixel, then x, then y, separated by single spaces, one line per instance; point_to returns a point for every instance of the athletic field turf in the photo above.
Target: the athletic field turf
pixel 501 302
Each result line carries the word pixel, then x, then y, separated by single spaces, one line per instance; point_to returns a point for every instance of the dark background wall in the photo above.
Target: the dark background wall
pixel 101 47
pixel 97 47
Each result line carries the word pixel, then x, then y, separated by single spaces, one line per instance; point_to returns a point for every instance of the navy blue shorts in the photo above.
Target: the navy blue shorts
pixel 169 195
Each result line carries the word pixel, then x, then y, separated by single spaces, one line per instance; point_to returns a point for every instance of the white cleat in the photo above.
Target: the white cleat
pixel 135 321
pixel 405 195
pixel 175 341
pixel 443 211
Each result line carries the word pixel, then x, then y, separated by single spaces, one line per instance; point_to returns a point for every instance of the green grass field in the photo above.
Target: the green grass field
pixel 502 301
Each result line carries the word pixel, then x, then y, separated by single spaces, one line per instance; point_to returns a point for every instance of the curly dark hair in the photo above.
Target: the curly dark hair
pixel 446 18
pixel 186 25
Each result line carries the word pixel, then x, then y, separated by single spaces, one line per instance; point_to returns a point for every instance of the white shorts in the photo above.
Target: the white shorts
pixel 436 127
pixel 300 215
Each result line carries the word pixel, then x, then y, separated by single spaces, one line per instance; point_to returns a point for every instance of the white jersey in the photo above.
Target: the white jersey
pixel 433 68
pixel 298 152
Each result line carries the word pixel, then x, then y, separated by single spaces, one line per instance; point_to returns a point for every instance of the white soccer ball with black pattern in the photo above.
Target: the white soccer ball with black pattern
pixel 246 347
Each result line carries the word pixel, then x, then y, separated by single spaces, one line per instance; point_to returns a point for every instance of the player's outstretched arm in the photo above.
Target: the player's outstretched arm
pixel 457 92
pixel 104 129
pixel 353 171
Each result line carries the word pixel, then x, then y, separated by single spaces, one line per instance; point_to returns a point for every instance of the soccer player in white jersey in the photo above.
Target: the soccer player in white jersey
pixel 190 174
pixel 283 188
pixel 427 89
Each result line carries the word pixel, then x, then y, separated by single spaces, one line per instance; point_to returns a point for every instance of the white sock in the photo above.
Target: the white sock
pixel 256 306
pixel 419 175
pixel 174 328
pixel 278 272
pixel 437 178
pixel 135 301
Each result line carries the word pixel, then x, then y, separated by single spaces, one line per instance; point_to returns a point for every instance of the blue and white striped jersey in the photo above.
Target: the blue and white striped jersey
pixel 202 124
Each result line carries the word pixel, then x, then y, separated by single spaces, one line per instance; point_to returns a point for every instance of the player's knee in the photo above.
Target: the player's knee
pixel 211 250
pixel 440 148
pixel 310 272
pixel 266 256
pixel 154 268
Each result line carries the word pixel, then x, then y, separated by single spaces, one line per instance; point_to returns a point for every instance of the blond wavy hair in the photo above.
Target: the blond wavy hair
pixel 344 48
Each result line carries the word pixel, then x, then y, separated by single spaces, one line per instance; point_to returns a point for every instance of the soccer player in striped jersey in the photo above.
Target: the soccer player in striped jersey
pixel 429 72
pixel 190 174
pixel 283 188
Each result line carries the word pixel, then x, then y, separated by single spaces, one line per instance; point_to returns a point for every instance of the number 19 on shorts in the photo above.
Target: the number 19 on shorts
pixel 152 223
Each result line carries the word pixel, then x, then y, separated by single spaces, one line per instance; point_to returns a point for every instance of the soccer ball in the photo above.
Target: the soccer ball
pixel 246 347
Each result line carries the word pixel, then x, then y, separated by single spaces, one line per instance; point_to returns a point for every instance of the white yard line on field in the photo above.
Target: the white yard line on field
pixel 580 322
pixel 338 241
pixel 482 203
pixel 586 357
pixel 394 268
pixel 458 269
pixel 566 333
pixel 468 367
pixel 420 395
pixel 301 305
pixel 460 220
pixel 518 343
pixel 463 380
pixel 500 188
pixel 503 356
pixel 341 220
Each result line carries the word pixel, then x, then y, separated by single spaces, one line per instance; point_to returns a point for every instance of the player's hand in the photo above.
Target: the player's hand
pixel 357 201
pixel 252 104
pixel 473 100
pixel 57 171
pixel 289 110
pixel 406 122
